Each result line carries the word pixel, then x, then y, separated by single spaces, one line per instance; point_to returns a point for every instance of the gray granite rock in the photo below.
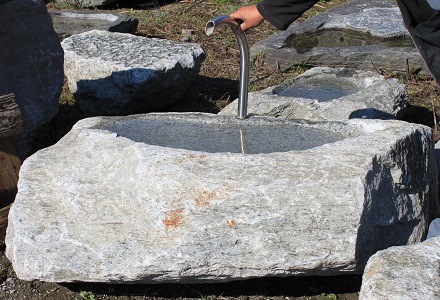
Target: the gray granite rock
pixel 403 273
pixel 92 3
pixel 324 93
pixel 86 3
pixel 139 199
pixel 31 60
pixel 117 74
pixel 360 34
pixel 69 22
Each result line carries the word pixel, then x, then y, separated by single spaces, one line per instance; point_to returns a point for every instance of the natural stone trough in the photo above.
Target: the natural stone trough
pixel 361 34
pixel 69 22
pixel 331 94
pixel 193 198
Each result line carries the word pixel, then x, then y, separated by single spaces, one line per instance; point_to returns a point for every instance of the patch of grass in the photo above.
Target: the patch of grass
pixel 84 295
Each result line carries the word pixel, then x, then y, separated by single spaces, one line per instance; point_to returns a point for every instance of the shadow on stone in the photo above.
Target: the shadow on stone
pixel 416 114
pixel 384 217
pixel 371 113
pixel 203 93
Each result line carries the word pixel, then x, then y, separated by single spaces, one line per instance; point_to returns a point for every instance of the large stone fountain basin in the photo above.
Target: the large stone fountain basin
pixel 331 94
pixel 106 205
pixel 360 34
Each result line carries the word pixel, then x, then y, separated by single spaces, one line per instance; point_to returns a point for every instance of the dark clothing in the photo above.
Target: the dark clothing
pixel 422 22
pixel 280 13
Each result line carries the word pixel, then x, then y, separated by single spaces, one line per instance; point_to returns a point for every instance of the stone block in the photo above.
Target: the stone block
pixel 403 273
pixel 88 3
pixel 193 198
pixel 332 94
pixel 359 34
pixel 113 73
pixel 69 22
pixel 31 60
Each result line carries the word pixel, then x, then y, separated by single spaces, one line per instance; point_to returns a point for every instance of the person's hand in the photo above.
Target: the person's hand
pixel 250 16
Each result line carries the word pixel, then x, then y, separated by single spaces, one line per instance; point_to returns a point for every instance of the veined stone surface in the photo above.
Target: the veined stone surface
pixel 128 199
pixel 89 3
pixel 403 273
pixel 360 34
pixel 332 94
pixel 113 73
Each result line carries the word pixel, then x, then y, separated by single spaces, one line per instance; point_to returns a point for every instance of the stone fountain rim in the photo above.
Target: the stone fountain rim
pixel 353 130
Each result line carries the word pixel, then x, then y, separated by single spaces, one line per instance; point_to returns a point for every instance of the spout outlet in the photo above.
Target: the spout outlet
pixel 234 24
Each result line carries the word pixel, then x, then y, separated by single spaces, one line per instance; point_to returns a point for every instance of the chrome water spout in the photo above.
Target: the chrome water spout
pixel 244 58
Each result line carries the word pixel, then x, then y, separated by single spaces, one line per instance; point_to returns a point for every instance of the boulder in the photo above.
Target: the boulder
pixel 403 273
pixel 360 34
pixel 31 60
pixel 87 3
pixel 206 198
pixel 117 73
pixel 92 3
pixel 69 22
pixel 324 93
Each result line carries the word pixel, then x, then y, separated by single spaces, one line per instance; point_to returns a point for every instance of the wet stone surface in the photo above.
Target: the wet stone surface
pixel 320 89
pixel 244 138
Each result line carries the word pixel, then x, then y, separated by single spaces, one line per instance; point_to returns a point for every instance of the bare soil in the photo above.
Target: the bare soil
pixel 214 87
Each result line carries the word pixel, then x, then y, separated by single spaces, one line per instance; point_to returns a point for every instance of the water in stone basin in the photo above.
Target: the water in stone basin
pixel 84 21
pixel 343 38
pixel 321 89
pixel 217 138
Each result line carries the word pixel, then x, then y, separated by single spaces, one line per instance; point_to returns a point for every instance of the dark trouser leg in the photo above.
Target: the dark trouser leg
pixel 423 23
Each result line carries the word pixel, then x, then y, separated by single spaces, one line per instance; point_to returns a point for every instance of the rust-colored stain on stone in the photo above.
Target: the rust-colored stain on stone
pixel 202 156
pixel 192 155
pixel 230 223
pixel 205 197
pixel 174 218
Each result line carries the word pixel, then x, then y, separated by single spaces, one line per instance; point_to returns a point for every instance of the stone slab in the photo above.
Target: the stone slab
pixel 69 22
pixel 403 273
pixel 366 24
pixel 87 3
pixel 111 203
pixel 112 73
pixel 332 94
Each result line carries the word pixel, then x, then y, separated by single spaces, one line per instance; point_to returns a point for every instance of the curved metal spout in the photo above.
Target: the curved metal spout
pixel 244 58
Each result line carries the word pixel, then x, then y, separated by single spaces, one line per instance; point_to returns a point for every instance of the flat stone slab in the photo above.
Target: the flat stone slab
pixel 112 73
pixel 332 94
pixel 406 272
pixel 70 22
pixel 135 199
pixel 88 3
pixel 360 34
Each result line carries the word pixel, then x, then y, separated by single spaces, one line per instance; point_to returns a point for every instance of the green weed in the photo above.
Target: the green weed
pixel 86 295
